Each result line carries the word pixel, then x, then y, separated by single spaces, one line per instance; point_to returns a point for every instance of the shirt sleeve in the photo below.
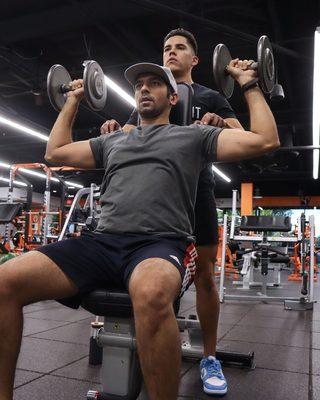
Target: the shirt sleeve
pixel 222 107
pixel 133 119
pixel 97 145
pixel 209 136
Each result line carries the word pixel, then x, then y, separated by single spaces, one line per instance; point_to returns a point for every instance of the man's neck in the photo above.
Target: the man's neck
pixel 184 77
pixel 161 120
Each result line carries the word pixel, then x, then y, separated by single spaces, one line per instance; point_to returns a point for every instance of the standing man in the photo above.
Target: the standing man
pixel 142 240
pixel 209 108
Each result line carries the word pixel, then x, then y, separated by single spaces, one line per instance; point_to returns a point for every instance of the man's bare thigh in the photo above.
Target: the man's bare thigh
pixel 33 277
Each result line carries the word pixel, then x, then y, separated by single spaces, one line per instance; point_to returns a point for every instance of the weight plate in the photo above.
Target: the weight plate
pixel 57 76
pixel 220 59
pixel 95 88
pixel 265 60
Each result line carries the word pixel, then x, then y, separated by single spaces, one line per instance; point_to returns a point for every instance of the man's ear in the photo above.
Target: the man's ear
pixel 194 61
pixel 174 99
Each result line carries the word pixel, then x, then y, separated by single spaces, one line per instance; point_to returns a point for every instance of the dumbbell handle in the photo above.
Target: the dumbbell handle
pixel 253 66
pixel 65 88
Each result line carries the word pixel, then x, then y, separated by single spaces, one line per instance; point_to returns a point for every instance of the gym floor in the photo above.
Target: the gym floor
pixel 53 362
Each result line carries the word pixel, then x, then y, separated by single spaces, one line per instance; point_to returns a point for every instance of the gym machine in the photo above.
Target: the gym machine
pixel 264 244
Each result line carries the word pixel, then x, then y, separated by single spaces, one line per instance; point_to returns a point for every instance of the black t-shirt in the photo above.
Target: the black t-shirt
pixel 204 100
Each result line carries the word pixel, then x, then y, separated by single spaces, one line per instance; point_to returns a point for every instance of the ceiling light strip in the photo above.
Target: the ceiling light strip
pixel 23 128
pixel 117 89
pixel 221 174
pixel 19 183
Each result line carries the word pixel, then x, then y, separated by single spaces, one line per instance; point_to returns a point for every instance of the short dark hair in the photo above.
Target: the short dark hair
pixel 188 35
pixel 170 91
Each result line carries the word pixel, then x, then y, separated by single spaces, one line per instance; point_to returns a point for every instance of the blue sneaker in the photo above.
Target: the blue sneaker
pixel 212 376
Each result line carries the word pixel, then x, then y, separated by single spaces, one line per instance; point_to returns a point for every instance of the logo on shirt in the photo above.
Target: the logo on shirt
pixel 196 112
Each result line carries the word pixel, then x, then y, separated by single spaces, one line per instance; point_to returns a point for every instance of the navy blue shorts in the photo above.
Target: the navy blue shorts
pixel 97 260
pixel 206 218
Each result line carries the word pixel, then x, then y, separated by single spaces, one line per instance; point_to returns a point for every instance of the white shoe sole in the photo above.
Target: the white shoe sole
pixel 214 391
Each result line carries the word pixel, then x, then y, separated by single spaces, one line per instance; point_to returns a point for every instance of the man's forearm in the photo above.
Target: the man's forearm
pixel 61 133
pixel 261 118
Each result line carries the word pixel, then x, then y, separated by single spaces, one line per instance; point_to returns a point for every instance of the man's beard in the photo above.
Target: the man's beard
pixel 150 113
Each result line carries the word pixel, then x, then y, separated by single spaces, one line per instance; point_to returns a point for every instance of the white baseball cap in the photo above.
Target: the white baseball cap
pixel 131 74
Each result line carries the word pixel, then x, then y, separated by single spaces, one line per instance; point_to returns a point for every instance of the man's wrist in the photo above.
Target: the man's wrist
pixel 73 101
pixel 71 104
pixel 253 83
pixel 242 80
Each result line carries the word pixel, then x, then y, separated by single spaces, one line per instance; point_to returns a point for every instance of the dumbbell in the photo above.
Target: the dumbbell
pixel 95 89
pixel 264 67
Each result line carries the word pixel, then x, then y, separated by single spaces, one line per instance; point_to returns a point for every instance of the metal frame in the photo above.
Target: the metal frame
pixel 190 348
pixel 80 193
pixel 14 169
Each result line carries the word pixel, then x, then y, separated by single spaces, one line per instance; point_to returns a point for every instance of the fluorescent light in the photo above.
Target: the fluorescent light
pixel 256 194
pixel 39 175
pixel 116 88
pixel 220 173
pixel 76 185
pixel 15 182
pixel 23 128
pixel 316 102
pixel 37 134
pixel 32 172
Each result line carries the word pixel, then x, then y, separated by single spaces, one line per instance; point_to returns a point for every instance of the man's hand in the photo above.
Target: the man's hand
pixel 77 92
pixel 239 71
pixel 110 126
pixel 213 119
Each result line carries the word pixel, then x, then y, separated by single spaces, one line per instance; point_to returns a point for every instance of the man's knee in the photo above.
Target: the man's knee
pixel 151 299
pixel 153 286
pixel 9 287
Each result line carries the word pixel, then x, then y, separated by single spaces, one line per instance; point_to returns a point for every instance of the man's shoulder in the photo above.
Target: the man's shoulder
pixel 213 100
pixel 184 128
pixel 205 91
pixel 109 138
pixel 195 130
pixel 205 129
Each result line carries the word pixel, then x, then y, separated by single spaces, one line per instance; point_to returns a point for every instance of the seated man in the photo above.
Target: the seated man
pixel 143 239
pixel 180 54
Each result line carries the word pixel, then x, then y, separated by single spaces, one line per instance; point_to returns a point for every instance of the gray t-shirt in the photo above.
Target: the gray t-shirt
pixel 151 177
